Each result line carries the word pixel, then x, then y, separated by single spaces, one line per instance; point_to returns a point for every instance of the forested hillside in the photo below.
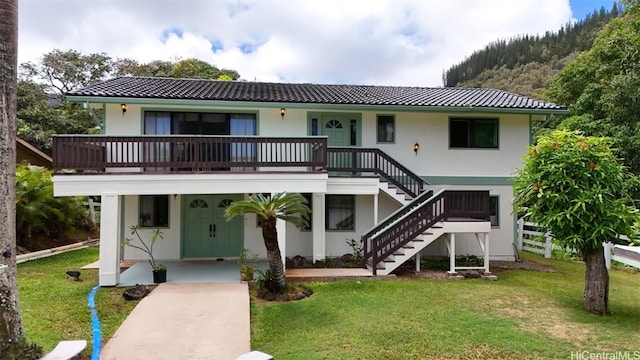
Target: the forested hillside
pixel 526 64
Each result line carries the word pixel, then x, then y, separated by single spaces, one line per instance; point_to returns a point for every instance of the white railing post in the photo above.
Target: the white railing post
pixel 520 234
pixel 608 248
pixel 92 210
pixel 547 245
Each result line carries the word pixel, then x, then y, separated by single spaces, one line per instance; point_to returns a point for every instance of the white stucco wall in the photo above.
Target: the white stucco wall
pixel 117 123
pixel 434 158
pixel 430 130
pixel 164 249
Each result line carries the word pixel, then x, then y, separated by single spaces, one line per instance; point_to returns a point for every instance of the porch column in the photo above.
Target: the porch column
pixel 452 253
pixel 375 209
pixel 486 253
pixel 317 225
pixel 110 240
pixel 281 228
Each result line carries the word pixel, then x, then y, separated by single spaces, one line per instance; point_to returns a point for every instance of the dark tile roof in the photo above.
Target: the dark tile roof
pixel 194 89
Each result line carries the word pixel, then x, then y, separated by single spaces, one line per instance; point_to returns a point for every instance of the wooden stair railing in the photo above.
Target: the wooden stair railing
pixel 389 236
pixel 398 214
pixel 363 160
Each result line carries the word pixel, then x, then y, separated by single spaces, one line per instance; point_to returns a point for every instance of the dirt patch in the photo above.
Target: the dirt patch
pixel 41 242
pixel 425 274
pixel 294 292
pixel 540 317
pixel 519 265
pixel 408 269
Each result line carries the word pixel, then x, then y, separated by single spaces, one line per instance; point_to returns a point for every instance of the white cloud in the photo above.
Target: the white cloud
pixel 384 42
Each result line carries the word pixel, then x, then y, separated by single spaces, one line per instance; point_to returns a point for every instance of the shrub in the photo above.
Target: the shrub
pixel 38 212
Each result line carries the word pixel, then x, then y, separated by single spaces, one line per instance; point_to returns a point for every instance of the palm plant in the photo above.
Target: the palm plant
pixel 290 207
pixel 38 212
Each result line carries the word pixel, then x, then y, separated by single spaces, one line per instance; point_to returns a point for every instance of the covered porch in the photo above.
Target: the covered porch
pixel 226 271
pixel 187 271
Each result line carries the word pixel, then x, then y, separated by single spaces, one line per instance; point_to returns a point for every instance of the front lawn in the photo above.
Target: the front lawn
pixel 525 314
pixel 54 308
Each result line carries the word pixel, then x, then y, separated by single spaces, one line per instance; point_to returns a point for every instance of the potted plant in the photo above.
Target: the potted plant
pixel 247 259
pixel 159 270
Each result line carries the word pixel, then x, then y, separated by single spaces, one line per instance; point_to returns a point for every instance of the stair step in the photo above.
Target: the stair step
pixel 380 267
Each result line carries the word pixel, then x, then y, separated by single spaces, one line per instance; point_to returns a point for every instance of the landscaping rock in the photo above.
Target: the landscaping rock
pixel 471 275
pixel 347 258
pixel 73 275
pixel 136 293
pixel 306 291
pixel 298 261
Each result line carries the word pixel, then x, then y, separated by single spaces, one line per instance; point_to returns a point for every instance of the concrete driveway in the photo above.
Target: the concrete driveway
pixel 185 321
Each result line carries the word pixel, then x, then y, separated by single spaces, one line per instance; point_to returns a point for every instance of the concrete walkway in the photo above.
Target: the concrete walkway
pixel 185 321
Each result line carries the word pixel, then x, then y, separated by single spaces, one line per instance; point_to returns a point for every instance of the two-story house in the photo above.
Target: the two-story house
pixel 410 170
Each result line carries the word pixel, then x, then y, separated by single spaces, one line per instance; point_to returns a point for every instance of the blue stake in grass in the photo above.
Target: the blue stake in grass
pixel 95 322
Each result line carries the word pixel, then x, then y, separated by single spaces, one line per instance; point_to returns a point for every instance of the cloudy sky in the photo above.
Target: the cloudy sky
pixel 376 42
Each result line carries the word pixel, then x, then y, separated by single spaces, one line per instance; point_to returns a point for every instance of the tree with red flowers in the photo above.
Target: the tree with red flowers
pixel 576 187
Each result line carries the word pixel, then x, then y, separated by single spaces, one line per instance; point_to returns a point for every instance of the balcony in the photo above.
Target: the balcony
pixel 73 154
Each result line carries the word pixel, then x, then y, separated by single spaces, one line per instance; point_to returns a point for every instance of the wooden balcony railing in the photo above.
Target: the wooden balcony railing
pixel 189 153
pixel 352 160
pixel 389 236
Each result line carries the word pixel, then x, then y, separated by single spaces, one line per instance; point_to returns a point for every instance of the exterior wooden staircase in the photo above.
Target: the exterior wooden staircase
pixel 419 223
pixel 421 219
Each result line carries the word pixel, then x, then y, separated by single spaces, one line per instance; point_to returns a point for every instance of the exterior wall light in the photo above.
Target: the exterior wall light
pixel 416 147
pixel 124 108
pixel 282 111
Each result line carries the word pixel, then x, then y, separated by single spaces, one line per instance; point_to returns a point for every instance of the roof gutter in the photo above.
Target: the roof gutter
pixel 346 107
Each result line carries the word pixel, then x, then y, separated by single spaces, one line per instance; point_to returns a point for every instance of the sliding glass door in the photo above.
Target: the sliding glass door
pixel 200 152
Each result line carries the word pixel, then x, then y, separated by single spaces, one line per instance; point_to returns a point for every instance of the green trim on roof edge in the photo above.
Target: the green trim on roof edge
pixel 311 106
pixel 468 180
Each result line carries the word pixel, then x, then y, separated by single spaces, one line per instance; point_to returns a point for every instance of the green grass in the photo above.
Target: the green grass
pixel 54 308
pixel 525 314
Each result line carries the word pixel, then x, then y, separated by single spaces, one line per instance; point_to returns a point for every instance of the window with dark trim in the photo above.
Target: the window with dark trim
pixel 386 129
pixel 353 132
pixel 494 210
pixel 340 212
pixel 473 133
pixel 154 211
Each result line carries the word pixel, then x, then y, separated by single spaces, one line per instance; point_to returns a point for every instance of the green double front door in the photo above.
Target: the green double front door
pixel 207 234
pixel 337 129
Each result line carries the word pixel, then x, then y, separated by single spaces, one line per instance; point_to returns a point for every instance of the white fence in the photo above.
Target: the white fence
pixel 533 238
pixel 94 210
